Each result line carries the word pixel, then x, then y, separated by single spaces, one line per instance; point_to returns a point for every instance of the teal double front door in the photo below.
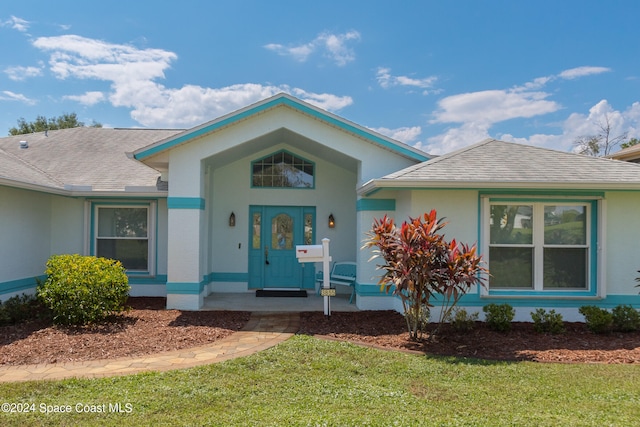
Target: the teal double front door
pixel 274 233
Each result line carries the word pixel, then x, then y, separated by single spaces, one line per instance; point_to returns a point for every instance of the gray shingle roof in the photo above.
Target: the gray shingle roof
pixel 82 156
pixel 498 163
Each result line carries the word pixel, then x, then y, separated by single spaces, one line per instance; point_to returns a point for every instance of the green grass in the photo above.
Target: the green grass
pixel 306 381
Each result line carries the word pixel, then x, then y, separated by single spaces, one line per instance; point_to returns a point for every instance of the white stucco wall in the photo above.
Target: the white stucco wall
pixel 162 247
pixel 67 225
pixel 622 242
pixel 25 231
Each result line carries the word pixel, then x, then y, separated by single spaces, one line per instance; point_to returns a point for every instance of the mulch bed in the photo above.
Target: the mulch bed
pixel 148 328
pixel 389 330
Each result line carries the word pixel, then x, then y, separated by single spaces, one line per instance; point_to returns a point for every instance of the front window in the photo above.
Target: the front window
pixel 539 246
pixel 283 170
pixel 122 233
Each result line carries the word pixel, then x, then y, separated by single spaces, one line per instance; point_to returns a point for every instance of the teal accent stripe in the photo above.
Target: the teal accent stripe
pixel 20 284
pixel 185 288
pixel 157 280
pixel 565 302
pixel 228 277
pixel 271 104
pixel 369 290
pixel 375 205
pixel 185 203
pixel 475 300
pixel 549 294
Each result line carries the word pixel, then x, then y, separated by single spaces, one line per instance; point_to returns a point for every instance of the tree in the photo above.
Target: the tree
pixel 421 264
pixel 41 124
pixel 630 143
pixel 602 143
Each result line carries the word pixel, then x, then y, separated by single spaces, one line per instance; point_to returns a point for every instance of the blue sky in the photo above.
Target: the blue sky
pixel 438 75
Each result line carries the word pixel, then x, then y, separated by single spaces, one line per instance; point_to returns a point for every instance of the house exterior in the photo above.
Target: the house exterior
pixel 221 207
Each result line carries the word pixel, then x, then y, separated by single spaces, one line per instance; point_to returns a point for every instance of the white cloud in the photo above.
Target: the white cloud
pixel 88 98
pixel 403 134
pixel 80 57
pixel 7 95
pixel 386 80
pixel 579 125
pixel 16 23
pixel 22 73
pixel 326 101
pixel 333 46
pixel 479 111
pixel 493 106
pixel 133 74
pixel 299 53
pixel 456 138
pixel 574 73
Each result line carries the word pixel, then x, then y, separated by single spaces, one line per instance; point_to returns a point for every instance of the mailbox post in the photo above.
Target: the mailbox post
pixel 319 253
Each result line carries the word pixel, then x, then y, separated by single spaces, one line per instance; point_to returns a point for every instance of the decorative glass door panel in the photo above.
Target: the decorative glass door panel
pixel 274 234
pixel 282 232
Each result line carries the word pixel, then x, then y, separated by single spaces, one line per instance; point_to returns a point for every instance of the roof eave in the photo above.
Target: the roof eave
pixel 376 185
pixel 83 191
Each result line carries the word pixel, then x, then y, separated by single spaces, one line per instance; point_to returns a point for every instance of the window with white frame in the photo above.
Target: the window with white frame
pixel 540 245
pixel 124 233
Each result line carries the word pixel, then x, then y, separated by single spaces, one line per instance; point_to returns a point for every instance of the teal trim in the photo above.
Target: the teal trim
pixel 153 240
pixel 277 101
pixel 475 300
pixel 593 225
pixel 610 301
pixel 551 294
pixel 157 280
pixel 185 203
pixel 185 288
pixel 228 277
pixel 371 290
pixel 20 284
pixel 375 205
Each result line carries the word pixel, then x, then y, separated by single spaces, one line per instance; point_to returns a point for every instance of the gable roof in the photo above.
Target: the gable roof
pixel 499 164
pixel 629 154
pixel 79 160
pixel 276 101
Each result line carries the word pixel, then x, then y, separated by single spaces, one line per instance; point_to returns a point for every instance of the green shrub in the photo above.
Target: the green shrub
pixel 462 321
pixel 550 322
pixel 598 319
pixel 625 318
pixel 83 289
pixel 499 316
pixel 20 308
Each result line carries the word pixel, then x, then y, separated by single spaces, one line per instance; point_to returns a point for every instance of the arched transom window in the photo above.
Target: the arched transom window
pixel 283 170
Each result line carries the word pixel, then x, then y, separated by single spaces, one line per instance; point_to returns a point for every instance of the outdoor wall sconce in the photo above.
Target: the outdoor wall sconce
pixel 232 220
pixel 332 221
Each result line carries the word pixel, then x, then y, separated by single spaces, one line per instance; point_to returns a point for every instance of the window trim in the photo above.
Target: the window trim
pixel 151 207
pixel 595 234
pixel 313 165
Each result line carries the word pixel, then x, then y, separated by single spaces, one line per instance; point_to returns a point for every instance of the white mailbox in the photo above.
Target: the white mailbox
pixel 304 253
pixel 319 253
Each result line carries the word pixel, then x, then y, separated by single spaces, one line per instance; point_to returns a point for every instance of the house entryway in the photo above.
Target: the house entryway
pixel 275 232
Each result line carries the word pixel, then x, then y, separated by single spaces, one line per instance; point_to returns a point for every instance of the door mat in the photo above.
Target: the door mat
pixel 281 293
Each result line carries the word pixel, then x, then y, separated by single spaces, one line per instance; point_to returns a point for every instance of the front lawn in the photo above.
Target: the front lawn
pixel 306 381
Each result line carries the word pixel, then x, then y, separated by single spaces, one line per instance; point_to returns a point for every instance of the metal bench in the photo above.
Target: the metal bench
pixel 343 274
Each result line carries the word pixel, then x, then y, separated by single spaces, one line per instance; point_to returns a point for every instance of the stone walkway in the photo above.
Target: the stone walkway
pixel 263 330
